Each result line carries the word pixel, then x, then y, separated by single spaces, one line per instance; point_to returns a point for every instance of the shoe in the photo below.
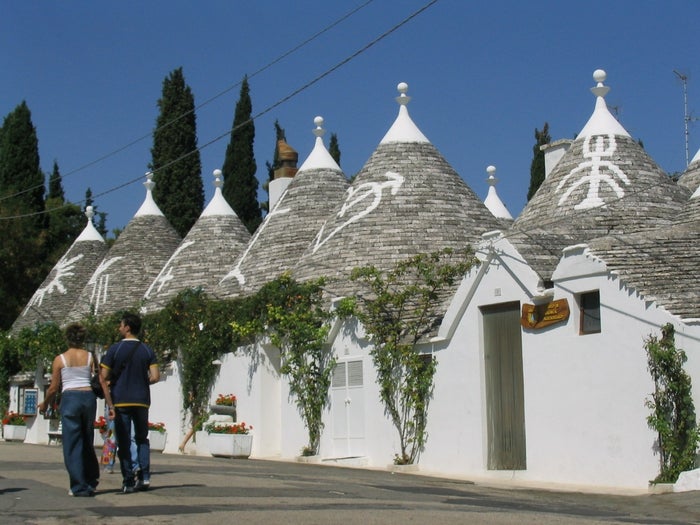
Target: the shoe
pixel 127 489
pixel 84 494
pixel 143 484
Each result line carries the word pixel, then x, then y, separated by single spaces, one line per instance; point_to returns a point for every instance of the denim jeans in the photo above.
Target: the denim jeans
pixel 125 416
pixel 78 408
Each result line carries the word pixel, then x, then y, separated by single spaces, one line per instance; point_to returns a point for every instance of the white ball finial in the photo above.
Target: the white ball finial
pixel 149 181
pixel 492 180
pixel 89 212
pixel 403 99
pixel 318 130
pixel 218 183
pixel 600 90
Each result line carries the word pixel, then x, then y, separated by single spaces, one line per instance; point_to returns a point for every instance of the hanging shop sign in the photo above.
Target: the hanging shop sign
pixel 536 316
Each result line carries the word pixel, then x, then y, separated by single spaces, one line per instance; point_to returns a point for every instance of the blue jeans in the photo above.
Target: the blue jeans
pixel 125 417
pixel 78 408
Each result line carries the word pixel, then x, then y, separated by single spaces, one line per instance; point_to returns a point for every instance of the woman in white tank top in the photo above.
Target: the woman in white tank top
pixel 71 372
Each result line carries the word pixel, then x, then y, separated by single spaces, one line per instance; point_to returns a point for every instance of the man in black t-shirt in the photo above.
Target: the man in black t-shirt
pixel 131 367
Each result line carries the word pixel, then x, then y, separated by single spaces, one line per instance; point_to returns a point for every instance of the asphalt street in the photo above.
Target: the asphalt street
pixel 202 490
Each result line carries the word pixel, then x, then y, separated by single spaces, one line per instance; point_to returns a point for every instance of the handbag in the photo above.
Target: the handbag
pixel 95 381
pixel 96 385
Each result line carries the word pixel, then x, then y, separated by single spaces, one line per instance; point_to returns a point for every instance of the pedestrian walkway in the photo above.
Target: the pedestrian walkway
pixel 196 490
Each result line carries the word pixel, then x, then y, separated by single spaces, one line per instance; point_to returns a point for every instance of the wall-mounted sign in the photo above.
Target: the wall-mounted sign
pixel 536 316
pixel 30 401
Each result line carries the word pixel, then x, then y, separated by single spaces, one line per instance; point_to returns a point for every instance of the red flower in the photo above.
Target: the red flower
pixel 13 418
pixel 225 428
pixel 226 400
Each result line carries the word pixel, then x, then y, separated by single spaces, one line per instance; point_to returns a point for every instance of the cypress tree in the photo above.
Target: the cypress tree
pixel 175 159
pixel 21 214
pixel 55 184
pixel 240 185
pixel 20 174
pixel 333 148
pixel 64 222
pixel 537 170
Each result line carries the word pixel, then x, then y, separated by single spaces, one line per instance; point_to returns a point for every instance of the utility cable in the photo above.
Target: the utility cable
pixel 256 116
pixel 208 101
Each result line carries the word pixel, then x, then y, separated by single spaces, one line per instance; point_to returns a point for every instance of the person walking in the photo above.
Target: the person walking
pixel 71 372
pixel 131 367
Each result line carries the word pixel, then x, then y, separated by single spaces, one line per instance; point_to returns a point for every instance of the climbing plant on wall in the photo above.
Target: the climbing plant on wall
pixel 673 412
pixel 297 320
pixel 399 309
pixel 196 329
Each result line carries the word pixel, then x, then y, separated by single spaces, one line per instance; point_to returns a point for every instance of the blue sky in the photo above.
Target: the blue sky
pixel 482 77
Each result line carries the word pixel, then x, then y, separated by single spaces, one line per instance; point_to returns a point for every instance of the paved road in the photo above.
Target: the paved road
pixel 196 490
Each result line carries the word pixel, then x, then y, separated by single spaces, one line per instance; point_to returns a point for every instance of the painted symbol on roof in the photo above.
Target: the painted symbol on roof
pixel 237 272
pixel 356 197
pixel 100 283
pixel 597 170
pixel 166 274
pixel 64 268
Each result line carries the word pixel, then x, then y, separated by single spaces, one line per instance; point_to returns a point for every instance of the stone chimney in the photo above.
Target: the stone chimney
pixel 287 158
pixel 553 152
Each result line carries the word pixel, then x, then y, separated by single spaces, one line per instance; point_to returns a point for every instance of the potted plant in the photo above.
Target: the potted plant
pixel 225 404
pixel 157 436
pixel 229 440
pixel 14 427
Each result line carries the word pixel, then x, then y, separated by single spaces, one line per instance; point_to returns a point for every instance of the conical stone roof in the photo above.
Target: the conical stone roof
pixel 661 265
pixel 492 201
pixel 131 264
pixel 691 176
pixel 690 214
pixel 316 189
pixel 58 293
pixel 203 256
pixel 406 200
pixel 604 184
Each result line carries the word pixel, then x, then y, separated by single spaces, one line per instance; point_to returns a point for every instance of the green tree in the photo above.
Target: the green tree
pixel 537 170
pixel 673 412
pixel 175 160
pixel 399 309
pixel 64 222
pixel 240 185
pixel 20 174
pixel 55 184
pixel 21 214
pixel 334 149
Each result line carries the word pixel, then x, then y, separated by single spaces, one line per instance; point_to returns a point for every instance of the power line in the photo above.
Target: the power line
pixel 258 115
pixel 208 101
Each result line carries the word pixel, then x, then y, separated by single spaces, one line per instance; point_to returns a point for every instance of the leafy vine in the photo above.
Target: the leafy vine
pixel 673 412
pixel 398 311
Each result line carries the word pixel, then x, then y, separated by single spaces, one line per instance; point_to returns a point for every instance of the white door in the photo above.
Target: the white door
pixel 347 406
